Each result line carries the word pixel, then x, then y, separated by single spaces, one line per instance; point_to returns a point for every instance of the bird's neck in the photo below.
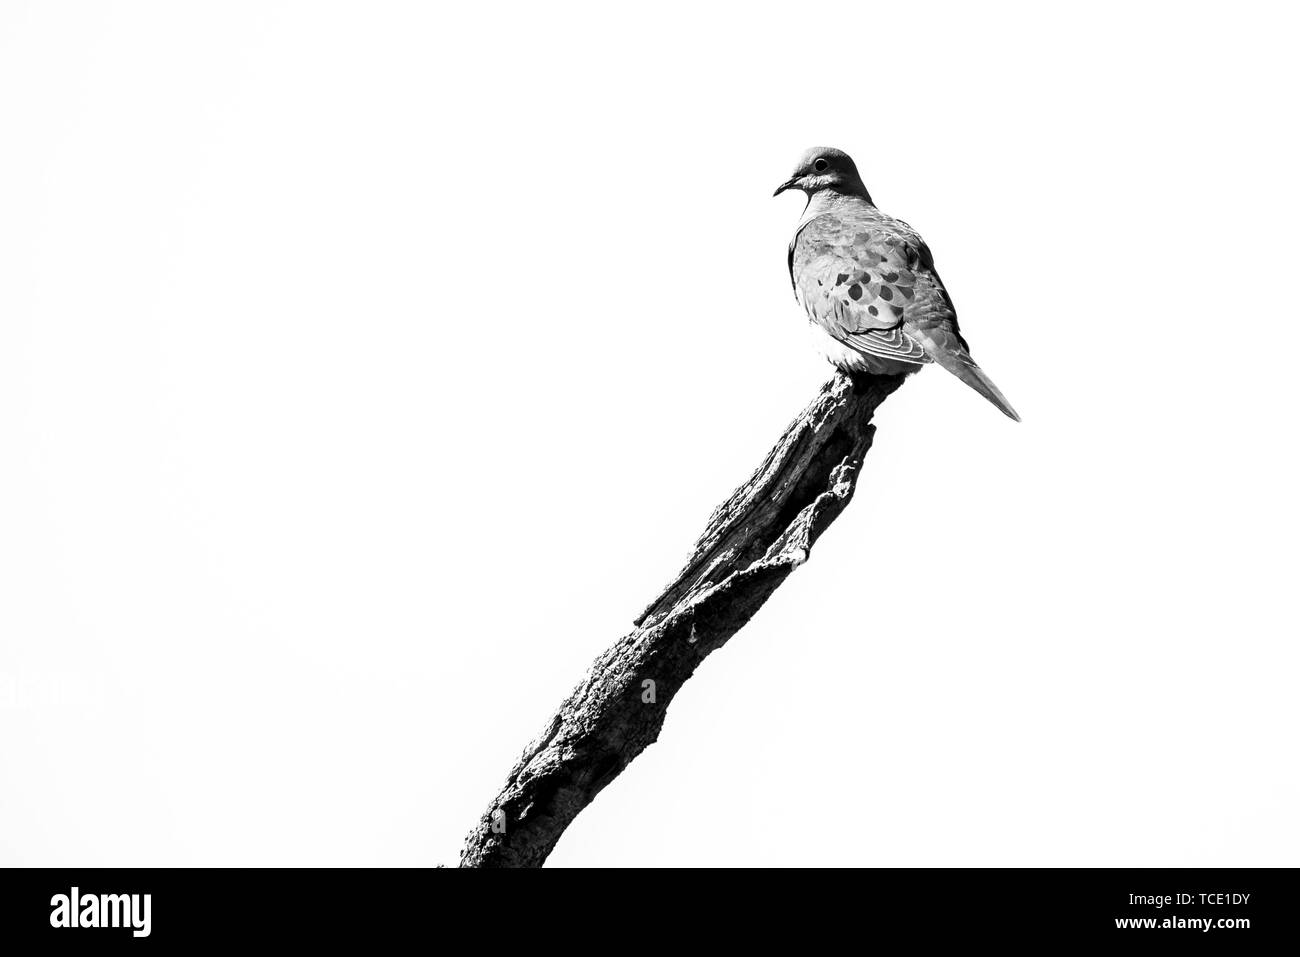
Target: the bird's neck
pixel 832 201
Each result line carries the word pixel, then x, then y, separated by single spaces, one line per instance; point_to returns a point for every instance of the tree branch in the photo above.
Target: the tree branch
pixel 753 541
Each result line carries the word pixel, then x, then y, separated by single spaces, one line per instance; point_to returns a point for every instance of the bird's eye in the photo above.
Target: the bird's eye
pixel 821 165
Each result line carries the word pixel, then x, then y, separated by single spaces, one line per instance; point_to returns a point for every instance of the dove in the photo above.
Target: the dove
pixel 868 282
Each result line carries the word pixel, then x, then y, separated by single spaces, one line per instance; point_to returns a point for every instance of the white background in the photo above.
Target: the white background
pixel 365 368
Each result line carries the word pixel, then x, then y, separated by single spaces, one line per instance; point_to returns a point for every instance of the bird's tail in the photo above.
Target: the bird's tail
pixel 964 368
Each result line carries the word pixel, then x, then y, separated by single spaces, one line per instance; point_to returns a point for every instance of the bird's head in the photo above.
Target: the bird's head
pixel 824 167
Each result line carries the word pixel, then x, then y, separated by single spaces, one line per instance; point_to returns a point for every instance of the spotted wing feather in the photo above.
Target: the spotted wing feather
pixel 871 285
pixel 869 282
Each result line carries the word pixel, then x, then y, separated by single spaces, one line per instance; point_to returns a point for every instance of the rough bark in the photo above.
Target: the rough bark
pixel 753 541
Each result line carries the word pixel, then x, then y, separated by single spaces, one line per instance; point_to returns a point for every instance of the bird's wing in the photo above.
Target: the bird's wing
pixel 862 284
pixel 870 282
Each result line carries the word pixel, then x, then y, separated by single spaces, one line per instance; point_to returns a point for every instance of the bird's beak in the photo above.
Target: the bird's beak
pixel 788 184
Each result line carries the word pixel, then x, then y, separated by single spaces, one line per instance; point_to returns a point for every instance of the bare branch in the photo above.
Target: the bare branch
pixel 753 541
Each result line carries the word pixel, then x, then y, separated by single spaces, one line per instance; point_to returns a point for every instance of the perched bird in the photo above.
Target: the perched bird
pixel 868 284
